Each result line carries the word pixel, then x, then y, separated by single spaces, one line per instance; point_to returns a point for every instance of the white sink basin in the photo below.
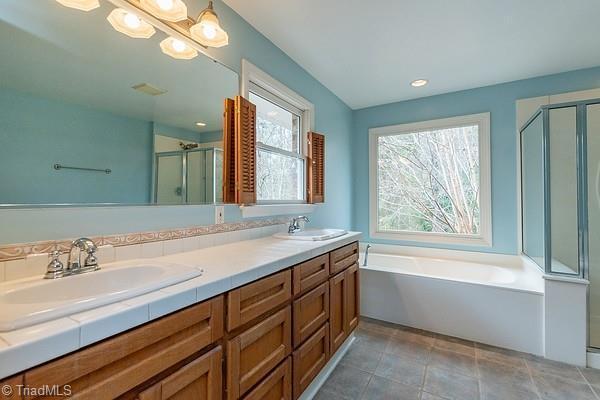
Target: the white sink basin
pixel 31 301
pixel 312 234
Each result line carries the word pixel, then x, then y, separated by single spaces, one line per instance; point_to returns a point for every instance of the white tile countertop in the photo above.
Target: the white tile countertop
pixel 225 267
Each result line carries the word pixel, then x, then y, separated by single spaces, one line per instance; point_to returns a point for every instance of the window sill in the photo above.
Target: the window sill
pixel 433 238
pixel 269 210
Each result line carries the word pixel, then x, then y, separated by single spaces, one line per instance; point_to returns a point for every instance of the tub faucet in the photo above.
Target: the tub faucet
pixel 294 224
pixel 366 255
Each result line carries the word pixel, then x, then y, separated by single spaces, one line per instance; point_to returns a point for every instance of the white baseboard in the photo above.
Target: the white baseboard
pixel 320 379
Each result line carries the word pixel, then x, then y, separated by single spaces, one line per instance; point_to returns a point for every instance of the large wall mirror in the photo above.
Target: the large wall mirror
pixel 91 116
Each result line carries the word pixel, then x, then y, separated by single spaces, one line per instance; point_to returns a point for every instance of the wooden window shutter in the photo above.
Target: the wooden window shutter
pixel 229 152
pixel 315 175
pixel 245 152
pixel 239 154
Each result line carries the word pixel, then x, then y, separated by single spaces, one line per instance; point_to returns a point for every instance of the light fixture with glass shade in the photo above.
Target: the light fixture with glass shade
pixel 83 5
pixel 207 30
pixel 168 10
pixel 130 24
pixel 178 49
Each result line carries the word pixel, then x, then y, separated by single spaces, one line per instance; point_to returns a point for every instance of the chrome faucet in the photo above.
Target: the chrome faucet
pixel 295 224
pixel 56 269
pixel 366 255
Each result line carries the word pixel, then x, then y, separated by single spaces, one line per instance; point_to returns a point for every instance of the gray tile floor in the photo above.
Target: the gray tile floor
pixel 394 362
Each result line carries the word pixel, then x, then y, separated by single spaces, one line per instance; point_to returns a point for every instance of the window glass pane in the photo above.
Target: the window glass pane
pixel 532 190
pixel 279 177
pixel 429 181
pixel 276 126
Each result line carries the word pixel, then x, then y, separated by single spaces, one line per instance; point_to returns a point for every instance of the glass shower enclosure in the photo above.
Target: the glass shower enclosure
pixel 189 176
pixel 560 196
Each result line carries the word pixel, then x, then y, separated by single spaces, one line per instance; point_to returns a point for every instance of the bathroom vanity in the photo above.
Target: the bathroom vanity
pixel 266 339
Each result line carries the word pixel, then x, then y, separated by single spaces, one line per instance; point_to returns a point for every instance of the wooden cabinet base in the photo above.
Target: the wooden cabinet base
pixel 201 379
pixel 281 332
pixel 255 352
pixel 276 386
pixel 310 358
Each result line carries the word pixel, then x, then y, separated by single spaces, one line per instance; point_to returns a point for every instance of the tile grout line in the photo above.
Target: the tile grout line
pixel 535 387
pixel 478 374
pixel 588 383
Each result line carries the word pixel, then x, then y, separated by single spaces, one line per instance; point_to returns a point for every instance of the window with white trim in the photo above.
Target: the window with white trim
pixel 430 181
pixel 283 119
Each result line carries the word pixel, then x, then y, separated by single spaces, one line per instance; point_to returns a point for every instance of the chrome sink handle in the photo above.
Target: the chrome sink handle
pixel 295 225
pixel 55 267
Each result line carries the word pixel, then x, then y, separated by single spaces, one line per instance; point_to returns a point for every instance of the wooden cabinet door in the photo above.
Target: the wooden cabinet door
pixel 353 298
pixel 257 298
pixel 119 364
pixel 338 314
pixel 342 258
pixel 14 383
pixel 201 379
pixel 276 386
pixel 310 274
pixel 310 312
pixel 310 358
pixel 256 351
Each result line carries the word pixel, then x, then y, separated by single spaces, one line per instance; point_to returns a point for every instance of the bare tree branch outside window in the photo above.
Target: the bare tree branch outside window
pixel 429 181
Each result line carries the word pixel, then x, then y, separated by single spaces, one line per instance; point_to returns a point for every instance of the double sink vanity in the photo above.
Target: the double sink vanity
pixel 253 319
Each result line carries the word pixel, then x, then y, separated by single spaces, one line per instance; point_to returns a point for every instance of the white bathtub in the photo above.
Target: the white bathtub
pixel 490 299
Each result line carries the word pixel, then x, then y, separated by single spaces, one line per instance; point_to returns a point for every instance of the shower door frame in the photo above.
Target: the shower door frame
pixel 184 182
pixel 581 108
pixel 582 181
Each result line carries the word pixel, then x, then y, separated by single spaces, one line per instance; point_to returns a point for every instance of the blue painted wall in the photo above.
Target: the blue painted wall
pixel 36 133
pixel 499 100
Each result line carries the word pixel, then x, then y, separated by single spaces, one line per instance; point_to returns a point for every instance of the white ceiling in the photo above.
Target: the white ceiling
pixel 368 52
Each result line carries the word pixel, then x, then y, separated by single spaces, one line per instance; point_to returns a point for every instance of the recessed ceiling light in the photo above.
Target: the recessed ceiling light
pixel 200 124
pixel 419 82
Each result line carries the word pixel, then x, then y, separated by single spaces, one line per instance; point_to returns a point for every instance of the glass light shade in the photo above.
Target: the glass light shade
pixel 207 30
pixel 83 5
pixel 130 24
pixel 169 10
pixel 177 49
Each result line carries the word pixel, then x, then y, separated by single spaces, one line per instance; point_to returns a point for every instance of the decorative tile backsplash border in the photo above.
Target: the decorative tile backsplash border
pixel 22 250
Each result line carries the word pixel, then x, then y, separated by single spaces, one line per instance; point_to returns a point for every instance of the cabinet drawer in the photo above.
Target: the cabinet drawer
pixel 257 298
pixel 353 299
pixel 310 274
pixel 310 312
pixel 343 257
pixel 115 366
pixel 276 386
pixel 310 358
pixel 338 315
pixel 256 351
pixel 201 379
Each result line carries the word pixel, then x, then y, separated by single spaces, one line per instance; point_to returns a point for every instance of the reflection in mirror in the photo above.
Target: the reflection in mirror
pixel 137 126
